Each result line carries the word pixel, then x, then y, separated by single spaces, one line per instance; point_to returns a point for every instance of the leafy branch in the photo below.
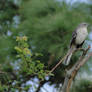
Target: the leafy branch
pixel 28 65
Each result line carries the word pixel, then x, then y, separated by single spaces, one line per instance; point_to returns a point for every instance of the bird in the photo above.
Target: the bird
pixel 78 38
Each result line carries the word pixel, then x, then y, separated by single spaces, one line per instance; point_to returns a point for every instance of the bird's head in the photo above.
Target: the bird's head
pixel 84 25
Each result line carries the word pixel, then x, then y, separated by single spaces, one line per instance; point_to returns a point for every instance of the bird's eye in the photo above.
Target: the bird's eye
pixel 85 24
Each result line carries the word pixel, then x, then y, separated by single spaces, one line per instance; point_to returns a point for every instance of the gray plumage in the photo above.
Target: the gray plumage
pixel 78 38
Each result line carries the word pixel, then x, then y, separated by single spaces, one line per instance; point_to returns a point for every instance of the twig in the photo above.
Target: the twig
pixel 56 65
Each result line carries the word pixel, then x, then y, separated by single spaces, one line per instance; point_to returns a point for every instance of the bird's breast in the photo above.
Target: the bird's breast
pixel 81 35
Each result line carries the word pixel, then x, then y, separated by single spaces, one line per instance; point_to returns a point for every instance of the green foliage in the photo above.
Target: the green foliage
pixel 82 86
pixel 7 11
pixel 3 87
pixel 48 25
pixel 27 64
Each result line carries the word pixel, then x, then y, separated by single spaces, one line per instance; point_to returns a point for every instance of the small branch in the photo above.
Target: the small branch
pixel 70 75
pixel 57 65
pixel 41 85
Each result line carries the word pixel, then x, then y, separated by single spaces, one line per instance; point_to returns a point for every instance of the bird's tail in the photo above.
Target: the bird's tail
pixel 69 55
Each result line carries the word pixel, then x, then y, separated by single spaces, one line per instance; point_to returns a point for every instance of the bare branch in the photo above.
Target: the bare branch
pixel 70 75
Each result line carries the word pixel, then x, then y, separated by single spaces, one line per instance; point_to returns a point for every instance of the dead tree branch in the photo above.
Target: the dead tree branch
pixel 70 75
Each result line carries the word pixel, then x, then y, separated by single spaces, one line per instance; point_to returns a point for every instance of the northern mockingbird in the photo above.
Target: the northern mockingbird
pixel 78 38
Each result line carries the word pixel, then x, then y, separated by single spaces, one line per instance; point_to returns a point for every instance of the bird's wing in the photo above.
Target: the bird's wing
pixel 74 34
